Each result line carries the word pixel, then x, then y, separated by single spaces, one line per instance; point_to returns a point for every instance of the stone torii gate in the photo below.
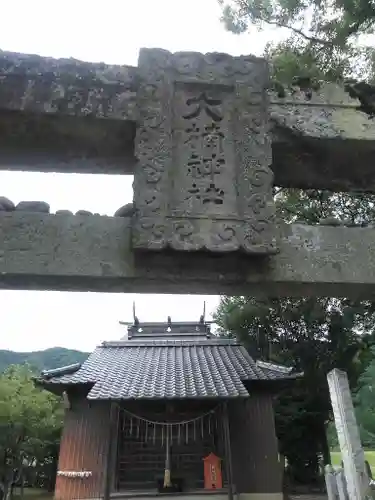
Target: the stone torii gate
pixel 206 142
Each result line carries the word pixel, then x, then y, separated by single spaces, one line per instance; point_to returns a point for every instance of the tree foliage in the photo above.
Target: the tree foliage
pixel 313 335
pixel 326 32
pixel 30 424
pixel 365 405
pixel 334 23
pixel 42 360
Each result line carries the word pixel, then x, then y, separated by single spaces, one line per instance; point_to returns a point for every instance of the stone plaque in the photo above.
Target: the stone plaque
pixel 203 179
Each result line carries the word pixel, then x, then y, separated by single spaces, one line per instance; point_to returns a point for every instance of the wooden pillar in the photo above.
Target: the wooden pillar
pixel 83 448
pixel 257 471
pixel 111 446
pixel 228 450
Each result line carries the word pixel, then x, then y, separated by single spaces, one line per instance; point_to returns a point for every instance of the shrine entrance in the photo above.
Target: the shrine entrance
pixel 193 430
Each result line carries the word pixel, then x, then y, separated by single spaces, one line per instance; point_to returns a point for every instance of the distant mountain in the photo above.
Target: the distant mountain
pixel 42 360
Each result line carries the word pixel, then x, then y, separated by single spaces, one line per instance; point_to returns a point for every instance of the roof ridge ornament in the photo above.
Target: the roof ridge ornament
pixel 135 318
pixel 273 366
pixel 203 316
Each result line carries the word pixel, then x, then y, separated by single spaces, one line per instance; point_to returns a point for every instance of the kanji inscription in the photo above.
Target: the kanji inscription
pixel 203 180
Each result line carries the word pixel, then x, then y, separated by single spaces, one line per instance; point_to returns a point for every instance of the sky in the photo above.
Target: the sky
pixel 112 32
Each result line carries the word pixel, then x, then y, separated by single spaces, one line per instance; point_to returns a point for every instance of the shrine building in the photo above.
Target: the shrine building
pixel 170 409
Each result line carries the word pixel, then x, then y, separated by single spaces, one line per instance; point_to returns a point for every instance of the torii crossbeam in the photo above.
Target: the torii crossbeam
pixel 205 142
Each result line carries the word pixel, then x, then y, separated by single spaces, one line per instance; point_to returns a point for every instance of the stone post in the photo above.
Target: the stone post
pixel 331 483
pixel 342 487
pixel 352 453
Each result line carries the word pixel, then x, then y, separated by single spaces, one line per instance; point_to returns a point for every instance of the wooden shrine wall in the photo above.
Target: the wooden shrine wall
pixel 139 461
pixel 254 445
pixel 84 445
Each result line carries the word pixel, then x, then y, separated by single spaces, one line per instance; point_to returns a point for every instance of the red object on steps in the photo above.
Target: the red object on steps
pixel 213 479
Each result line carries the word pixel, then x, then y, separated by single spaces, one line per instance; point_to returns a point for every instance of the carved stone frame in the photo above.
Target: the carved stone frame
pixel 158 222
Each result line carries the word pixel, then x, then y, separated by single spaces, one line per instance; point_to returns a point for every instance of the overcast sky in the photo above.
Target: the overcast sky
pixel 113 32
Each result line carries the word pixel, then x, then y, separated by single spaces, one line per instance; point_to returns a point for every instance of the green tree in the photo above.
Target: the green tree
pixel 312 335
pixel 54 357
pixel 337 23
pixel 328 33
pixel 30 423
pixel 365 405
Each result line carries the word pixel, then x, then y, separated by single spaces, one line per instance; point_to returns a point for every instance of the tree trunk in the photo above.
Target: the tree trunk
pixel 22 488
pixel 8 491
pixel 51 479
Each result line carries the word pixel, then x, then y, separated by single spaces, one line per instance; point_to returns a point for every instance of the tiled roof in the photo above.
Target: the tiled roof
pixel 57 372
pixel 166 369
pixel 277 372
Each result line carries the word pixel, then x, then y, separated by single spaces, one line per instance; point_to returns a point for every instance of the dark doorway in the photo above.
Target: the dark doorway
pixel 196 432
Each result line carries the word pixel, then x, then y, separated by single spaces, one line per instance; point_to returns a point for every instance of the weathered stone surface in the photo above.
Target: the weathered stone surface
pixel 330 113
pixel 6 204
pixel 83 212
pixel 57 142
pixel 331 221
pixel 41 84
pixel 203 180
pixel 39 251
pixel 125 211
pixel 317 140
pixel 316 137
pixel 63 212
pixel 33 206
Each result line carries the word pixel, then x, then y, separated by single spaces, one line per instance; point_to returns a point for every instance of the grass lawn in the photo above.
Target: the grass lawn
pixel 370 457
pixel 33 494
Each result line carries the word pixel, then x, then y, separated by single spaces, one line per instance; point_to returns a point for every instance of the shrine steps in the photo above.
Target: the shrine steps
pixel 188 495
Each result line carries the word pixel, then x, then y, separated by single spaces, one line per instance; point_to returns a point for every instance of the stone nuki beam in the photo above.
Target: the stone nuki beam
pixel 81 253
pixel 72 116
pixel 50 111
pixel 317 142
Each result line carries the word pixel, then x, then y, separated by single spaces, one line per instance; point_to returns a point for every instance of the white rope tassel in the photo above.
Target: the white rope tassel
pixel 72 473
